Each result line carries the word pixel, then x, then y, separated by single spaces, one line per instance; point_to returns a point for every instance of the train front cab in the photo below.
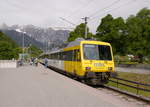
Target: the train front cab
pixel 96 61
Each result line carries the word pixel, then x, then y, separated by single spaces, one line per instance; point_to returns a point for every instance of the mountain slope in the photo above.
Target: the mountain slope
pixel 46 37
pixel 18 38
pixel 8 48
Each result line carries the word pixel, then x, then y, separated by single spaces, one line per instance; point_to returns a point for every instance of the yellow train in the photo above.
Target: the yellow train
pixel 88 60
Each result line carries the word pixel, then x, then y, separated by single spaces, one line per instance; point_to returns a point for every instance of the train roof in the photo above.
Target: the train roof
pixel 79 40
pixel 74 43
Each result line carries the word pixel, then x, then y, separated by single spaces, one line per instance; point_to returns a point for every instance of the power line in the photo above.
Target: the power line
pixel 63 28
pixel 113 3
pixel 111 10
pixel 98 10
pixel 117 1
pixel 81 8
pixel 67 21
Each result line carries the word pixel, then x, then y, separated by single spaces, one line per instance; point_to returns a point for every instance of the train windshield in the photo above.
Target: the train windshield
pixel 97 52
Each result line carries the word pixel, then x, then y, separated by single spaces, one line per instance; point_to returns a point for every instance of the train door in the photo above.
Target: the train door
pixel 71 64
pixel 77 62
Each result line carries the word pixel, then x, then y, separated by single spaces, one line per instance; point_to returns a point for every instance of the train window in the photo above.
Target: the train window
pixel 48 56
pixel 104 52
pixel 97 52
pixel 69 55
pixel 55 56
pixel 58 55
pixel 52 56
pixel 76 55
pixel 63 55
pixel 73 55
pixel 91 52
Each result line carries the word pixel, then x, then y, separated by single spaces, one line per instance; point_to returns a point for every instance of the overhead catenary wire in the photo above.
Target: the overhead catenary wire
pixel 112 4
pixel 67 21
pixel 93 18
pixel 81 8
pixel 88 3
pixel 64 28
pixel 106 7
pixel 96 15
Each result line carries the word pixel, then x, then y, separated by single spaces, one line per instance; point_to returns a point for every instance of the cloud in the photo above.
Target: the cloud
pixel 47 12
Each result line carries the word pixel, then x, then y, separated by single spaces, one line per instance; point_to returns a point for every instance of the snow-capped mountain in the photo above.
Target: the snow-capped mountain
pixel 18 38
pixel 54 38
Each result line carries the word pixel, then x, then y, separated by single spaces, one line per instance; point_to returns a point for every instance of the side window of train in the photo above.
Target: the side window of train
pixel 77 55
pixel 69 55
pixel 63 56
pixel 74 55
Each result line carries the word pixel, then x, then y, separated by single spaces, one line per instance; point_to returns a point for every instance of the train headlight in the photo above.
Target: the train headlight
pixel 110 68
pixel 88 68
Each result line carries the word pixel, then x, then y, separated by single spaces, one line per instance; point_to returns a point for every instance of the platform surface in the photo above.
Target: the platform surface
pixel 31 86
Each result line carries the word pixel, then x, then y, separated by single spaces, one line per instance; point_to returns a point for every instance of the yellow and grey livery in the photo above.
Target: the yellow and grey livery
pixel 88 60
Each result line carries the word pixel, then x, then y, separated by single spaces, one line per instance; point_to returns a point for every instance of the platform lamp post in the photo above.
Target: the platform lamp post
pixel 23 45
pixel 49 42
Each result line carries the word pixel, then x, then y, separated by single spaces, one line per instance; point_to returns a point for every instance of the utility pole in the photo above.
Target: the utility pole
pixel 23 45
pixel 85 19
pixel 45 46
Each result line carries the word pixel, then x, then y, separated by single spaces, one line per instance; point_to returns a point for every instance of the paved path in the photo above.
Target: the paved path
pixel 40 87
pixel 132 70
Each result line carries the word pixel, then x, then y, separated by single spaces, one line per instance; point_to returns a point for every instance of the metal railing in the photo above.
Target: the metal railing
pixel 135 85
pixel 8 63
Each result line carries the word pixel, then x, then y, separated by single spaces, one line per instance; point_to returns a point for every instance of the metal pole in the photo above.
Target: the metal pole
pixel 117 83
pixel 85 27
pixel 86 30
pixel 45 46
pixel 48 46
pixel 137 89
pixel 23 46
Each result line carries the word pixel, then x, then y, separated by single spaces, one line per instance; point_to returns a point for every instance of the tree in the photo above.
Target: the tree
pixel 127 37
pixel 138 32
pixel 6 51
pixel 79 32
pixel 113 31
pixel 34 51
pixel 8 48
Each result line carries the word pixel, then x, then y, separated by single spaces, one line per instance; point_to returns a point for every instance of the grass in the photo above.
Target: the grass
pixel 142 78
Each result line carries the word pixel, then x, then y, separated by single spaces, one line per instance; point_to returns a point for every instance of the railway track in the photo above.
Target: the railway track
pixel 137 97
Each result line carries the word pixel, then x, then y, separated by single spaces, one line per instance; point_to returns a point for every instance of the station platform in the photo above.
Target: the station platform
pixel 31 86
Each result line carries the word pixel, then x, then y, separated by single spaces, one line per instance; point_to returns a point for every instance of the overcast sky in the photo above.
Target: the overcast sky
pixel 46 13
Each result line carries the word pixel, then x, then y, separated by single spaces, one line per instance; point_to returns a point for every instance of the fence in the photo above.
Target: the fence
pixel 135 85
pixel 8 64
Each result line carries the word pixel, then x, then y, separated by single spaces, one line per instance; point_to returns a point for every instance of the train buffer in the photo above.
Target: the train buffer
pixel 31 86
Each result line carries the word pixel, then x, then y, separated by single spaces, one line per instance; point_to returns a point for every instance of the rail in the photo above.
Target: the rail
pixel 132 84
pixel 137 87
